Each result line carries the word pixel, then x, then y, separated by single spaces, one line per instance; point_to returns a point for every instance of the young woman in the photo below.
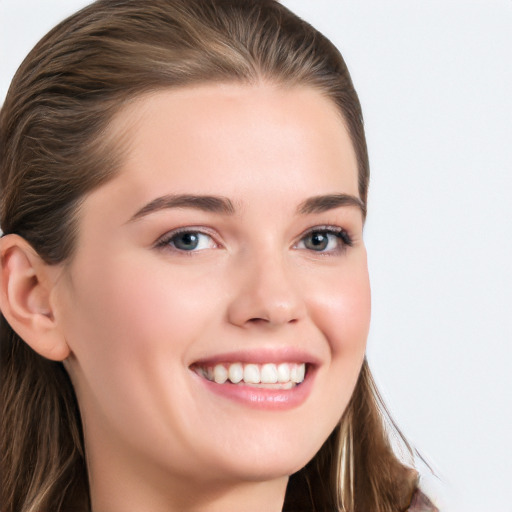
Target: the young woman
pixel 184 288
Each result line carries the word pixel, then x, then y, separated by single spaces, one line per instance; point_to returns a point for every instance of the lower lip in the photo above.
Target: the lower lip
pixel 262 398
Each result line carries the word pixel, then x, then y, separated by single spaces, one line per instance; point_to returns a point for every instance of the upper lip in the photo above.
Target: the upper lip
pixel 260 356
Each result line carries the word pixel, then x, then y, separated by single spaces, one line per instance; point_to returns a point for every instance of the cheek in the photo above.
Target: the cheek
pixel 342 310
pixel 131 337
pixel 136 308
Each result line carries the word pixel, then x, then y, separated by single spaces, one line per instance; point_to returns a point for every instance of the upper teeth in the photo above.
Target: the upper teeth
pixel 268 373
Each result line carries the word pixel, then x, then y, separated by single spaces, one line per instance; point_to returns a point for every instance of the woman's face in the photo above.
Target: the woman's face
pixel 229 246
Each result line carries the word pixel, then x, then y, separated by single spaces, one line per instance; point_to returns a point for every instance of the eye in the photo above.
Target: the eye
pixel 187 241
pixel 325 240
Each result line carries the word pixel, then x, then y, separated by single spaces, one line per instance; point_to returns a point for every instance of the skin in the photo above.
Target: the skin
pixel 131 316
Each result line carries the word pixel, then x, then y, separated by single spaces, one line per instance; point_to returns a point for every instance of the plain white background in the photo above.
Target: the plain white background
pixel 434 78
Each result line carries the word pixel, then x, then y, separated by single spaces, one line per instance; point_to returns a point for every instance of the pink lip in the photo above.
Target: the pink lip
pixel 260 356
pixel 276 399
pixel 263 398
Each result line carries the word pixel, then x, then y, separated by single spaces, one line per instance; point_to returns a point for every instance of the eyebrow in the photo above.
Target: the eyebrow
pixel 319 204
pixel 219 204
pixel 215 204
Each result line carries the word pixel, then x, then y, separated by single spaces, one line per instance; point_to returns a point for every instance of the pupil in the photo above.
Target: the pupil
pixel 319 241
pixel 187 241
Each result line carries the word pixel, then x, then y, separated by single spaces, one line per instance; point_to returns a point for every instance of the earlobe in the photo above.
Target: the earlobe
pixel 25 298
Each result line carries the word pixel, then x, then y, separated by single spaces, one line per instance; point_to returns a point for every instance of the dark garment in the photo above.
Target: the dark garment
pixel 298 498
pixel 419 503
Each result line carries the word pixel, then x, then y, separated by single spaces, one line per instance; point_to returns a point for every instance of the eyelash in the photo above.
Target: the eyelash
pixel 344 239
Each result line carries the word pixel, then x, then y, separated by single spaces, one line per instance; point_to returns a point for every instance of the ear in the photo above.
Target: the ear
pixel 26 284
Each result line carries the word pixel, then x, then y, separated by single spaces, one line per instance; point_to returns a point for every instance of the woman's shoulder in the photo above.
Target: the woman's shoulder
pixel 420 503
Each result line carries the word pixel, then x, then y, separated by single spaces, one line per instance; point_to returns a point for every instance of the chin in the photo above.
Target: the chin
pixel 267 469
pixel 260 462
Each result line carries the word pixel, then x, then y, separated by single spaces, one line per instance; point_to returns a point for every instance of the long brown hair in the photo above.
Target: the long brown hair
pixel 54 149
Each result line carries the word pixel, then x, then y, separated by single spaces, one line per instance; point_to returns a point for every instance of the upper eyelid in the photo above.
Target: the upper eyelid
pixel 329 228
pixel 325 227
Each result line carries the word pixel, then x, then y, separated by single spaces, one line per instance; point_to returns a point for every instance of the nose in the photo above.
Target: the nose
pixel 266 294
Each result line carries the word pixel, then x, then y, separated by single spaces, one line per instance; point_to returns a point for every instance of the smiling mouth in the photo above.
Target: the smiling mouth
pixel 267 375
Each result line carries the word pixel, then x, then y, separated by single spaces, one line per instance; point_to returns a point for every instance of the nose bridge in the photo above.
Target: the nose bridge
pixel 267 291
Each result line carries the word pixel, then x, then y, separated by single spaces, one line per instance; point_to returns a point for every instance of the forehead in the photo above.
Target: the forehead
pixel 242 141
pixel 234 124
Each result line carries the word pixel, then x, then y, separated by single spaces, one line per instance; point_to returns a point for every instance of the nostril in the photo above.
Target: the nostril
pixel 259 321
pixel 272 320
